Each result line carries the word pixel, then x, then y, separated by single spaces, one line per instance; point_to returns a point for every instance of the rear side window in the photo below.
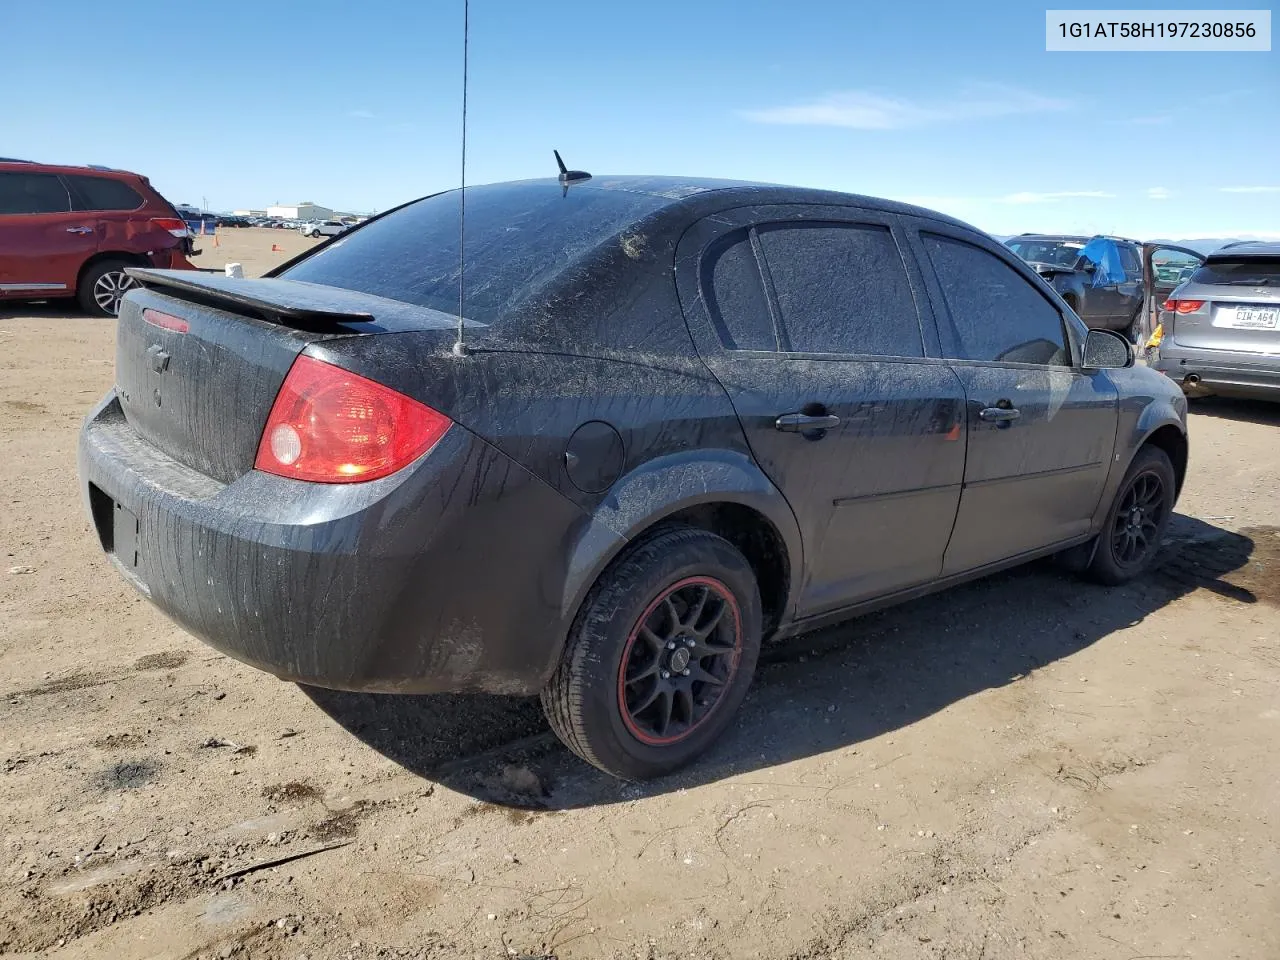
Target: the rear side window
pixel 1242 271
pixel 735 296
pixel 842 288
pixel 996 314
pixel 33 193
pixel 103 193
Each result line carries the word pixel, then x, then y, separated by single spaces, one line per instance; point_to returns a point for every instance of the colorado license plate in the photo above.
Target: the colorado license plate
pixel 1255 318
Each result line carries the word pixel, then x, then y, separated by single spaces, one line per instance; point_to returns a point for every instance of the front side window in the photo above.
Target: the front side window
pixel 841 288
pixel 32 193
pixel 995 312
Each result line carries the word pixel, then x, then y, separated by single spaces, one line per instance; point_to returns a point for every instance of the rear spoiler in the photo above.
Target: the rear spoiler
pixel 293 303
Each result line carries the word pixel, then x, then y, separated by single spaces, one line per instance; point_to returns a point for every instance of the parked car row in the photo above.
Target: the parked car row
pixel 273 223
pixel 1103 278
pixel 1211 323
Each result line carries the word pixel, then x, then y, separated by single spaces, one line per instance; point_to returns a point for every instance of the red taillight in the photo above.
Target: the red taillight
pixel 329 425
pixel 165 321
pixel 1183 306
pixel 175 225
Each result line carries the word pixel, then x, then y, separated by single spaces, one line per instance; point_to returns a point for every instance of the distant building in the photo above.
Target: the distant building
pixel 249 213
pixel 306 210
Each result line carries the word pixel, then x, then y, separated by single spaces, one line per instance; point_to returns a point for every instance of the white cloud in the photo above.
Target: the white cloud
pixel 1249 189
pixel 362 114
pixel 866 110
pixel 1027 196
pixel 1227 96
pixel 1158 193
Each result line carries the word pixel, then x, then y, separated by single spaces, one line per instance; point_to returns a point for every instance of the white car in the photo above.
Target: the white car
pixel 323 228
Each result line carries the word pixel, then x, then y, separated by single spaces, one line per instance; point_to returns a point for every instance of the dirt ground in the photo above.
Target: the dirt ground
pixel 1027 767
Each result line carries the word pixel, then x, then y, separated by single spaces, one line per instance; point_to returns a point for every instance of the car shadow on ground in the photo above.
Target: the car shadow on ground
pixel 43 310
pixel 1266 413
pixel 822 691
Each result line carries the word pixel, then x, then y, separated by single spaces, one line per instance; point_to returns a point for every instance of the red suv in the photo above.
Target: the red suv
pixel 72 231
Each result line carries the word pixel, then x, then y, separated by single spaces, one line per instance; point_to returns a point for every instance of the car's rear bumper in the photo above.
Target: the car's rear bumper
pixel 1201 371
pixel 446 576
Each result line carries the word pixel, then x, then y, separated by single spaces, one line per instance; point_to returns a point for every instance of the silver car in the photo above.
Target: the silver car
pixel 1220 329
pixel 323 228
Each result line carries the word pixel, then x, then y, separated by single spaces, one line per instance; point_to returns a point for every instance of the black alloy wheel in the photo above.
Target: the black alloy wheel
pixel 679 659
pixel 660 655
pixel 1136 525
pixel 1130 541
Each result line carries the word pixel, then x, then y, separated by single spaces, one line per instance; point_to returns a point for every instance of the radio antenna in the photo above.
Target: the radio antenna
pixel 460 346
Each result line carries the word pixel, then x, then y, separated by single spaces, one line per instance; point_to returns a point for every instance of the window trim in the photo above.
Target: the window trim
pixel 46 213
pixel 1072 337
pixel 716 247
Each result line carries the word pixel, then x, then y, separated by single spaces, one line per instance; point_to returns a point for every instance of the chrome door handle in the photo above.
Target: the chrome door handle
pixel 80 230
pixel 804 423
pixel 999 414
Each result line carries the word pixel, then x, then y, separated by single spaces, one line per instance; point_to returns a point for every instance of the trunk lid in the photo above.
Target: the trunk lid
pixel 200 358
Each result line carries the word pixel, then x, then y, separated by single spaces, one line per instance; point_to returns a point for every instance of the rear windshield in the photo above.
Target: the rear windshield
pixel 1057 253
pixel 1243 272
pixel 518 236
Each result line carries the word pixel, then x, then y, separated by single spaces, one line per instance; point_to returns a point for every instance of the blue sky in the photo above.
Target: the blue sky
pixel 356 106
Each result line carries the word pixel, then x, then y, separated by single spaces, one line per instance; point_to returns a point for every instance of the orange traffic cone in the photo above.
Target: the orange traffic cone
pixel 276 248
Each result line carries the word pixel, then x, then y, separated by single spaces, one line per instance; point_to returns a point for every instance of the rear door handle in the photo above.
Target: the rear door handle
pixel 999 414
pixel 805 423
pixel 80 230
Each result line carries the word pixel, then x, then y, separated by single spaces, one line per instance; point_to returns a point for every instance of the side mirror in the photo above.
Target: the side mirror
pixel 1089 267
pixel 1106 350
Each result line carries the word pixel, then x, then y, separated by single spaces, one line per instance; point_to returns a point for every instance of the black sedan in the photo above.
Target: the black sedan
pixel 678 418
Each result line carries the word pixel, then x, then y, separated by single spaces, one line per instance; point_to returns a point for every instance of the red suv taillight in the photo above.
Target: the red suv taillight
pixel 329 425
pixel 1183 306
pixel 175 225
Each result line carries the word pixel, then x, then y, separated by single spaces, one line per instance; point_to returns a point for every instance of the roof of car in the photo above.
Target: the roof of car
pixel 25 166
pixel 1247 248
pixel 705 192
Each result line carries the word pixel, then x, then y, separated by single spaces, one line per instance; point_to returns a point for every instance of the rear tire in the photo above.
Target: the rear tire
pixel 1130 538
pixel 102 286
pixel 660 656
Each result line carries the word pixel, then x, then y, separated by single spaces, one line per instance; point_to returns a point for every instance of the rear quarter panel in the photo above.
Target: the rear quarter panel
pixel 680 440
